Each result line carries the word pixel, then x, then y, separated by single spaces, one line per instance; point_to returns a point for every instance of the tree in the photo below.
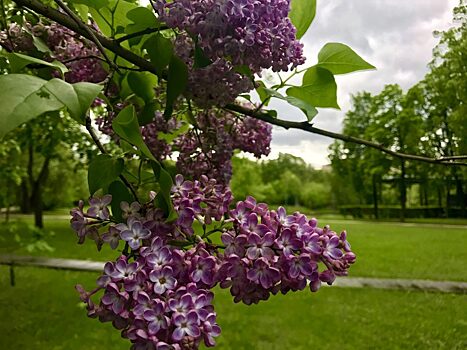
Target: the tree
pixel 445 89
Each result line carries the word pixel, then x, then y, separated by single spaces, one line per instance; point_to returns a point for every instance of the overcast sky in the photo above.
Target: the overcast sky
pixel 393 35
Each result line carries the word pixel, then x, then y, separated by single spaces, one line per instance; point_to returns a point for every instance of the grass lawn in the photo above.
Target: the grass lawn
pixel 385 250
pixel 43 311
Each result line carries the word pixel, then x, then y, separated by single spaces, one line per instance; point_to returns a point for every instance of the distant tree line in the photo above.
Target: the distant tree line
pixel 429 119
pixel 287 180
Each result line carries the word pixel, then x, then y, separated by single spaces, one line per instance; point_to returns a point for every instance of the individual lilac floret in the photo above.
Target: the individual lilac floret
pixel 263 273
pixel 112 237
pixel 133 232
pixel 185 325
pixel 163 280
pixel 130 210
pixel 157 318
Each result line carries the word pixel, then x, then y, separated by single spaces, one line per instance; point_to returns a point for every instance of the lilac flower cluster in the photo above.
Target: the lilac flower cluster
pixel 204 200
pixel 86 224
pixel 79 55
pixel 160 300
pixel 268 251
pixel 254 33
pixel 158 293
pixel 150 132
pixel 17 38
pixel 208 148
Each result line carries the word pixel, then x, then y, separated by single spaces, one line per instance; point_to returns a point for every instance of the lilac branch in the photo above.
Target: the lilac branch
pixel 305 126
pixel 101 148
pixel 88 30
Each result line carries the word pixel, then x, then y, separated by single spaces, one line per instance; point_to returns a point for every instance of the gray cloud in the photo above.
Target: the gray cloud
pixel 394 35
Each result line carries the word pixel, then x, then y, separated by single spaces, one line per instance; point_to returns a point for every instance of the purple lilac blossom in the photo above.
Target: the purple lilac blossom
pixel 80 56
pixel 256 34
pixel 159 296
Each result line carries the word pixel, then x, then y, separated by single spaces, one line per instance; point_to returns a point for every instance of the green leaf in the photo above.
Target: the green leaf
pixel 340 59
pixel 95 4
pixel 164 179
pixel 142 19
pixel 309 110
pixel 160 51
pixel 262 93
pixel 83 11
pixel 24 97
pixel 201 61
pixel 115 12
pixel 102 171
pixel 18 61
pixel 87 93
pixel 176 83
pixel 120 193
pixel 146 116
pixel 302 14
pixel 142 84
pixel 126 126
pixel 40 44
pixel 169 137
pixel 319 88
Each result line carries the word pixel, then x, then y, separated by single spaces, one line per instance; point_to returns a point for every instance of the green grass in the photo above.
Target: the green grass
pixel 42 312
pixel 386 250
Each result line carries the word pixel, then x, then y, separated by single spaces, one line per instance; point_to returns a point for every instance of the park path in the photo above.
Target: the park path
pixel 395 223
pixel 66 217
pixel 345 282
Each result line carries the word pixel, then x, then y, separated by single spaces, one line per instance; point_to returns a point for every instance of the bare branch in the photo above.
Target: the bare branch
pixel 140 33
pixel 88 30
pixel 68 22
pixel 447 159
pixel 101 148
pixel 305 126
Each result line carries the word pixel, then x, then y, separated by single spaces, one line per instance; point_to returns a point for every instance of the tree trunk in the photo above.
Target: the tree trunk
pixel 36 202
pixel 403 191
pixel 440 201
pixel 36 197
pixel 460 194
pixel 420 194
pixel 375 198
pixel 448 196
pixel 425 193
pixel 25 205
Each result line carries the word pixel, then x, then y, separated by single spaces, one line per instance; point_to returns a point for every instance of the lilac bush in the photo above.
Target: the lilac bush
pixel 158 292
